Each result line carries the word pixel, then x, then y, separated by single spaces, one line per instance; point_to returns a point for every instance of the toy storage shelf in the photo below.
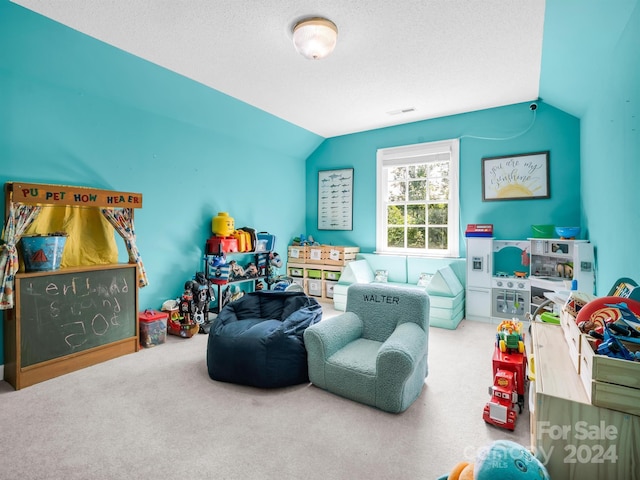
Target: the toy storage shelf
pixel 317 268
pixel 582 441
pixel 220 287
pixel 316 279
pixel 250 282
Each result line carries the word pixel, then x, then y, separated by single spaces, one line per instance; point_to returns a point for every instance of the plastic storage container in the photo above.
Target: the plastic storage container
pixel 265 242
pixel 217 245
pixel 153 328
pixel 222 225
pixel 311 273
pixel 328 285
pixel 314 287
pixel 332 275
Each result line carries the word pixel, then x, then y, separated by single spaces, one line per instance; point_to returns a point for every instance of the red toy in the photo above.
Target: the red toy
pixel 509 380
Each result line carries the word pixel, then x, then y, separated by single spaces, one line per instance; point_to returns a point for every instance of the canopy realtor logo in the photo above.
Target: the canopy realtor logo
pixel 581 441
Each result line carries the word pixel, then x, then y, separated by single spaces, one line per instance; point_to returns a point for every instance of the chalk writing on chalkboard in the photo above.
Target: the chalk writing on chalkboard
pixel 63 314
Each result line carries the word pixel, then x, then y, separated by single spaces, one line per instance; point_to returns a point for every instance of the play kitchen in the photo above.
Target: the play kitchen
pixel 508 278
pixel 560 265
pixel 510 286
pixel 563 261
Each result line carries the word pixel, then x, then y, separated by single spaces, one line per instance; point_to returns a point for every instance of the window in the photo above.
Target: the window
pixel 417 199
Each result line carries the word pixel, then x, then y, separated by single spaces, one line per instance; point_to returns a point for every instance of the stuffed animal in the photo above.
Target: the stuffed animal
pixel 501 460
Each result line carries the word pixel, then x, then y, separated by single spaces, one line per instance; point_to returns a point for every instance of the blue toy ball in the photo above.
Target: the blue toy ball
pixel 507 460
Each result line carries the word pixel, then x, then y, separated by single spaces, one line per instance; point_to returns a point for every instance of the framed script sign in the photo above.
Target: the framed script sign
pixel 516 177
pixel 335 199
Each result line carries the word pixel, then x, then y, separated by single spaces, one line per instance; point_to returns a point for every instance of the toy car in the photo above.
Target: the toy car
pixel 509 376
pixel 509 336
pixel 500 409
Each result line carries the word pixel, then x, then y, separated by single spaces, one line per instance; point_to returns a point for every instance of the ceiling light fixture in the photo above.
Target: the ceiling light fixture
pixel 315 38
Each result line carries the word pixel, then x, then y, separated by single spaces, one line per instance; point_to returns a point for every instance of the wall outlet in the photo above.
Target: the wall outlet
pixel 585 266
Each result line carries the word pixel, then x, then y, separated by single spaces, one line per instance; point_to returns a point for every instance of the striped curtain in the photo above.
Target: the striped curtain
pixel 122 221
pixel 20 217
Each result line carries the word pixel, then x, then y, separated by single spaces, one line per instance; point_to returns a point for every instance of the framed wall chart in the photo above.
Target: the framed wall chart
pixel 516 177
pixel 335 199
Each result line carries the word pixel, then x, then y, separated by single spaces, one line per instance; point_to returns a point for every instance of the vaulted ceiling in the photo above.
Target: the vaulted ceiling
pixel 430 58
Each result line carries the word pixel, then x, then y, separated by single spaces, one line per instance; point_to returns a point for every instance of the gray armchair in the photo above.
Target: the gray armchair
pixel 376 352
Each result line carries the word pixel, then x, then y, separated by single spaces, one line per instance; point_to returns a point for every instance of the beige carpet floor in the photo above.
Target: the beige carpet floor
pixel 157 414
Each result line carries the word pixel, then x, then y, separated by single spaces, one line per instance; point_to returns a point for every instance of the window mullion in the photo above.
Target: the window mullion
pixel 428 175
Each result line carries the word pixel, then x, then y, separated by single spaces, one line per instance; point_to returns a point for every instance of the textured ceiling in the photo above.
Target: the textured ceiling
pixel 439 57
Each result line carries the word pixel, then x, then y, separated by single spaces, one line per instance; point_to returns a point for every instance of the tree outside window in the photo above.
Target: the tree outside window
pixel 417 199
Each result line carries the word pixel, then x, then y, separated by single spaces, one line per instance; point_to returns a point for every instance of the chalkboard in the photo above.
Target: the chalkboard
pixel 65 313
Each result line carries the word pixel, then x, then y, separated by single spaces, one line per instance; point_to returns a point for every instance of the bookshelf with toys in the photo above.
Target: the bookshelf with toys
pixel 237 260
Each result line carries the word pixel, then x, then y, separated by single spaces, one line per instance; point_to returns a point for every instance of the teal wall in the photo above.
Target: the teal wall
pixel 76 111
pixel 611 161
pixel 591 68
pixel 552 130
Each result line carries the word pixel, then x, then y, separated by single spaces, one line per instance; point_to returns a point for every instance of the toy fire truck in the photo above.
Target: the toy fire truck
pixel 509 380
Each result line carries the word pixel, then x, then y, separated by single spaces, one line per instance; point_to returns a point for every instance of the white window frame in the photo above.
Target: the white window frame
pixel 413 154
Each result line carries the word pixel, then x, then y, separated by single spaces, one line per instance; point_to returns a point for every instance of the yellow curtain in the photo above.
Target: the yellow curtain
pixel 91 238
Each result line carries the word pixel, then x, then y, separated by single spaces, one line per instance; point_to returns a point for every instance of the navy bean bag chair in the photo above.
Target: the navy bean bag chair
pixel 258 339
